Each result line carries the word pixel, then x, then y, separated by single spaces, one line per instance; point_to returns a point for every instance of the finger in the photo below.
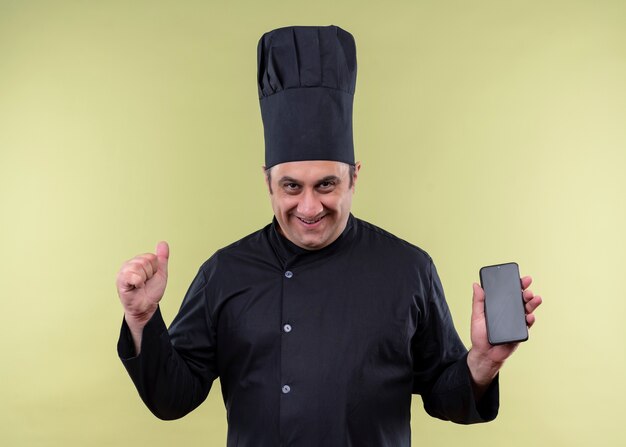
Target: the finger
pixel 141 263
pixel 136 266
pixel 130 280
pixel 163 255
pixel 478 301
pixel 533 304
pixel 528 295
pixel 150 263
pixel 526 282
pixel 530 320
pixel 153 260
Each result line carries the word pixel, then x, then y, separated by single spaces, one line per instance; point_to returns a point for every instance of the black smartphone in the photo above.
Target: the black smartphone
pixel 504 304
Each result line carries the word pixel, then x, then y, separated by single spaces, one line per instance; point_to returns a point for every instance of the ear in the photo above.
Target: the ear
pixel 357 168
pixel 267 179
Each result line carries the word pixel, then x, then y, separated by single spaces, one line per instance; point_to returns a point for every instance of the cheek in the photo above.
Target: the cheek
pixel 283 203
pixel 338 203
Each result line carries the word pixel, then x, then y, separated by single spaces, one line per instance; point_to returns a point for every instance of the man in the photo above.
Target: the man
pixel 320 326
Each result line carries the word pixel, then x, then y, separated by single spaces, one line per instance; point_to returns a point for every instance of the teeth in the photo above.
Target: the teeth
pixel 310 221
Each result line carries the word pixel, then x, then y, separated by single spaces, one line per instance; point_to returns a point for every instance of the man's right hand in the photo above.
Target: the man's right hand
pixel 140 285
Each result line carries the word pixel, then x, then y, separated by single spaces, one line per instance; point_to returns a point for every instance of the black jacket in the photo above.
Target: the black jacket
pixel 312 348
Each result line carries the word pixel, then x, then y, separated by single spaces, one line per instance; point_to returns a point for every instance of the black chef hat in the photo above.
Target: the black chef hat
pixel 306 79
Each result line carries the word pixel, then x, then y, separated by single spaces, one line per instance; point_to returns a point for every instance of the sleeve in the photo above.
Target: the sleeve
pixel 440 372
pixel 174 370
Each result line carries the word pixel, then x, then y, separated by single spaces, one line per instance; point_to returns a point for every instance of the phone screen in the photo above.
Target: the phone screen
pixel 504 304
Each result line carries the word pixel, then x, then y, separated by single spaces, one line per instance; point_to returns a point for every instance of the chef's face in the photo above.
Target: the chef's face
pixel 312 200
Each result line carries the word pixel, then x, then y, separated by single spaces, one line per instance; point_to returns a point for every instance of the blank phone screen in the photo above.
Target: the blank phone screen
pixel 504 305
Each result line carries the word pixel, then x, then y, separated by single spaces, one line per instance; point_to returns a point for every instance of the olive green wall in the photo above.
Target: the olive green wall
pixel 489 131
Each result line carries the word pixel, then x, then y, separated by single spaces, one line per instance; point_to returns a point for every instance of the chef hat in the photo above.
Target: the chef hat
pixel 306 80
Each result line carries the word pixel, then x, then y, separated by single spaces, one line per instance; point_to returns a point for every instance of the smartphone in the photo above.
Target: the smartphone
pixel 504 304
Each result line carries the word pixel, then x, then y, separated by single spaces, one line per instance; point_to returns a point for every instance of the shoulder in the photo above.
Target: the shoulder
pixel 389 243
pixel 252 242
pixel 251 248
pixel 400 262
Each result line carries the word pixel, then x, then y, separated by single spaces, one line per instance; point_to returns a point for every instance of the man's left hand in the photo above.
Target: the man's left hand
pixel 485 360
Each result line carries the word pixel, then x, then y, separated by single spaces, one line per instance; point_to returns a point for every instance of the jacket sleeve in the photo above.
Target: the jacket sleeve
pixel 174 370
pixel 440 372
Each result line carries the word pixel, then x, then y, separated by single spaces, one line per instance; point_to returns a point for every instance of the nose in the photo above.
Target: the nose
pixel 309 205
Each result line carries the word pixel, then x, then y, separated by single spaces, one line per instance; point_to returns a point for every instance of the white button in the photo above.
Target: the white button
pixel 286 389
pixel 287 328
pixel 288 274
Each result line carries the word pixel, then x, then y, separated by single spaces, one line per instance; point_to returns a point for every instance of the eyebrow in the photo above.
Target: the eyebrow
pixel 287 179
pixel 328 178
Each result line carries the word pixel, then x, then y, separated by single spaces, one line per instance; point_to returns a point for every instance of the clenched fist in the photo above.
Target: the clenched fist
pixel 141 284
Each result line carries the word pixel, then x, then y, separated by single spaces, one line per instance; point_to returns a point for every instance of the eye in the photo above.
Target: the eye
pixel 291 187
pixel 326 185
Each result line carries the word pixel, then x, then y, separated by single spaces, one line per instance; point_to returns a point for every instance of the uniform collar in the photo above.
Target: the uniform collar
pixel 290 254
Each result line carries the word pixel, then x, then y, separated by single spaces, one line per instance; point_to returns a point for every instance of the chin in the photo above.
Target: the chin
pixel 312 244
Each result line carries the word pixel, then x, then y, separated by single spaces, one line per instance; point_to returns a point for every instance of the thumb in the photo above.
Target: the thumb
pixel 478 301
pixel 163 255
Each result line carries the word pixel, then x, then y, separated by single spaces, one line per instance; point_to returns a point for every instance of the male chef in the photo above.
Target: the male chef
pixel 320 326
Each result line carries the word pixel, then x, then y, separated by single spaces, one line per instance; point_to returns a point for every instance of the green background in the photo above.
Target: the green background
pixel 489 131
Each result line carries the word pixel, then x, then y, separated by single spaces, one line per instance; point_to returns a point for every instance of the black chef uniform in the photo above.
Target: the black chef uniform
pixel 312 347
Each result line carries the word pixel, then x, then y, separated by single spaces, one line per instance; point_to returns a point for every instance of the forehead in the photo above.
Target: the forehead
pixel 309 169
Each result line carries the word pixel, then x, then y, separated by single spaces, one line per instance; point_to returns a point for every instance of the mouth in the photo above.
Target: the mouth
pixel 310 222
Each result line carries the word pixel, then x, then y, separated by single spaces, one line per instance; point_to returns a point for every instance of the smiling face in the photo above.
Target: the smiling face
pixel 312 200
